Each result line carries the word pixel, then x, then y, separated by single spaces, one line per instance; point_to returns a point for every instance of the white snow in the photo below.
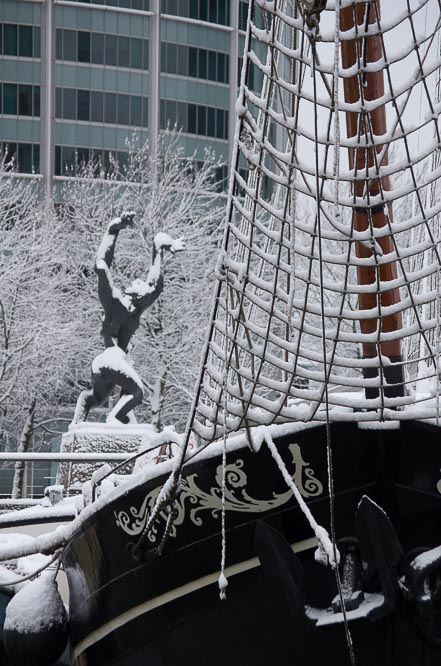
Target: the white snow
pixel 44 510
pixel 163 240
pixel 153 440
pixel 326 616
pixel 15 568
pixel 114 358
pixel 426 559
pixel 13 538
pixel 36 607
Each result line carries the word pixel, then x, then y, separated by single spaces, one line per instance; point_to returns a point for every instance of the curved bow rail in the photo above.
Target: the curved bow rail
pixel 328 287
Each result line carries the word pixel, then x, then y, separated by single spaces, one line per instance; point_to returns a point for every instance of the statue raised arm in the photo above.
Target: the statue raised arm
pixel 122 311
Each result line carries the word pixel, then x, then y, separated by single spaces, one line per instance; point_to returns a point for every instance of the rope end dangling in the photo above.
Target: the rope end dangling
pixel 326 552
pixel 223 584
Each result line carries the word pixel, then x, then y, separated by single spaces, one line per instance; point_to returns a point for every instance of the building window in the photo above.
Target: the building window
pixel 99 107
pixel 84 46
pixel 123 52
pixel 94 47
pixel 202 62
pixel 142 5
pixel 10 99
pixel 202 120
pixel 194 118
pixel 214 11
pixel 69 104
pixel 24 160
pixel 212 60
pixel 136 53
pixel 111 50
pixel 36 99
pixel 23 100
pixel 136 111
pixel 123 110
pixel 97 48
pixel 222 67
pixel 259 17
pixel 254 76
pixel 36 47
pixel 25 156
pixel 110 102
pixel 194 62
pixel 19 40
pixel 83 105
pixel 68 159
pixel 69 45
pixel 10 41
pixel 25 42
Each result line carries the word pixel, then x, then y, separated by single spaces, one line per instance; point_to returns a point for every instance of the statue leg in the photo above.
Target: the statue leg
pixel 131 397
pixel 111 368
pixel 100 392
pixel 81 408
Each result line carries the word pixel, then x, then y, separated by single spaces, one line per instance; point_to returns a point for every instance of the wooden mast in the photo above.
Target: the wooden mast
pixel 367 125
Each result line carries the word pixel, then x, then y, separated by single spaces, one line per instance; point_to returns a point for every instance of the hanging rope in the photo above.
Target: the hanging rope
pixel 223 582
pixel 323 322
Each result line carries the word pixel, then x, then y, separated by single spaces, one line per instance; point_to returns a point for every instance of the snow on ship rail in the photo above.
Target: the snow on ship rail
pixel 328 287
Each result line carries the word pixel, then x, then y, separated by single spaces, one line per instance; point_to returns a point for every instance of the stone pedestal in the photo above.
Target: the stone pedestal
pixel 97 438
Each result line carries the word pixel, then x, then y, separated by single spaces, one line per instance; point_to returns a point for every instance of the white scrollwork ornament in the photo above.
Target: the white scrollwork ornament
pixel 237 498
pixel 312 486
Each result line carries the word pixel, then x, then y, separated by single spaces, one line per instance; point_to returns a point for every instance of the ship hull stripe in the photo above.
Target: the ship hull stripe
pixel 171 595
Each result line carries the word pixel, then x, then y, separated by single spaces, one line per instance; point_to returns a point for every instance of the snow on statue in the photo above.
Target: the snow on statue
pixel 122 313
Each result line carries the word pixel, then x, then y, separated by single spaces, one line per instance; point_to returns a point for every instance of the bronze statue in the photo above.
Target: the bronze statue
pixel 122 313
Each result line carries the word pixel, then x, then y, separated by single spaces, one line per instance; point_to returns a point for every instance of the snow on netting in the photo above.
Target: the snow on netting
pixel 328 291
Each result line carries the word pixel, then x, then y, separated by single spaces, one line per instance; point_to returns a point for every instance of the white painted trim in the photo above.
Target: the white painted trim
pixel 64 457
pixel 204 24
pixel 172 595
pixel 107 8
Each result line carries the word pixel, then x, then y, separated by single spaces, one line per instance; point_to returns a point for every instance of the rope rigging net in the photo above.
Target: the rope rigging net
pixel 328 296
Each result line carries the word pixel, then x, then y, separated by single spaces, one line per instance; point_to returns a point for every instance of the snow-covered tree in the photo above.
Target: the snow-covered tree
pixel 50 316
pixel 35 334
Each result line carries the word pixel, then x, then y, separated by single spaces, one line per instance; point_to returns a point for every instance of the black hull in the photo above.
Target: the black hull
pixel 164 610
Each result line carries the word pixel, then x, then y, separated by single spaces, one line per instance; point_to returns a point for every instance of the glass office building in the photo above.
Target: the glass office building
pixel 77 78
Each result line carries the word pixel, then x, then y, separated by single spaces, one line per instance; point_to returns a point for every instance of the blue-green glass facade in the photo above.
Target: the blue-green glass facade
pixel 77 78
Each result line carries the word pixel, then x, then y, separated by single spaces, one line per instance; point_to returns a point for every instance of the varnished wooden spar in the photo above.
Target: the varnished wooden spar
pixel 371 124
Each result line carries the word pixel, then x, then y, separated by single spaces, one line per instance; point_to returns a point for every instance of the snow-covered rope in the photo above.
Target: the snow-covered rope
pixel 22 579
pixel 223 582
pixel 166 498
pixel 326 552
